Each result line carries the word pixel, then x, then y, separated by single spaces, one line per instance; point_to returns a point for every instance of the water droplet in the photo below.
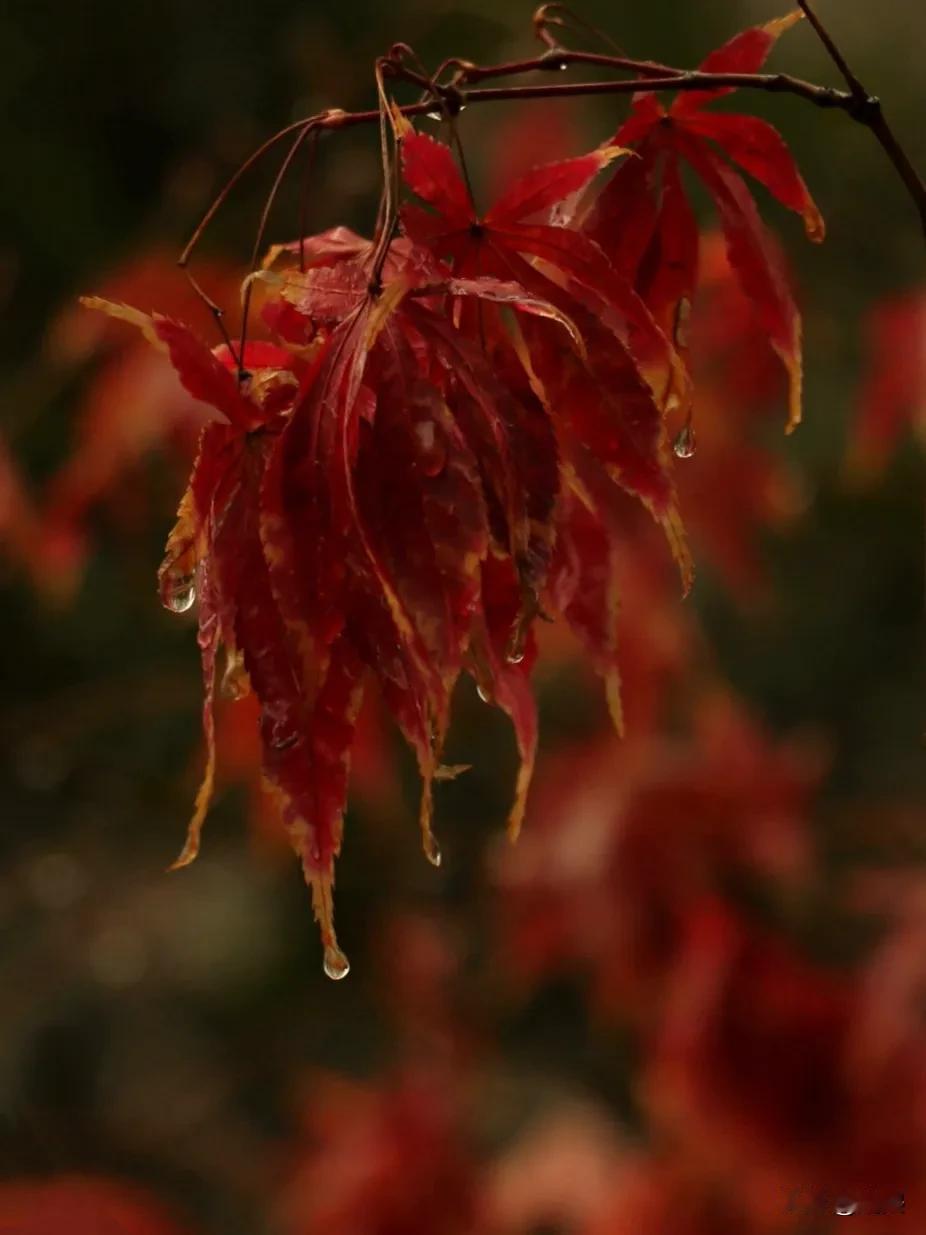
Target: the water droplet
pixel 180 594
pixel 514 653
pixel 336 964
pixel 431 849
pixel 844 1207
pixel 432 456
pixel 685 444
pixel 483 694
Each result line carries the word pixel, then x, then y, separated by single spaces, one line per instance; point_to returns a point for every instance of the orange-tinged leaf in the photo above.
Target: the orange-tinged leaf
pixel 201 373
pixel 208 636
pixel 503 676
pixel 744 53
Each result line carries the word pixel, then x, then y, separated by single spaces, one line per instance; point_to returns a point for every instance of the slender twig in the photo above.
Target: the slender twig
pixel 866 109
pixel 390 204
pixel 307 170
pixel 855 86
pixel 561 15
pixel 648 76
pixel 230 184
pixel 308 127
pixel 218 316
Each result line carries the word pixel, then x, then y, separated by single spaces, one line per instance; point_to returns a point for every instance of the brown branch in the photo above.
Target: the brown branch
pixel 866 109
pixel 855 86
pixel 650 76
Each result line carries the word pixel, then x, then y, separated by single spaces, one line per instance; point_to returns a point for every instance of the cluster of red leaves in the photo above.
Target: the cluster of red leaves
pixel 654 238
pixel 434 446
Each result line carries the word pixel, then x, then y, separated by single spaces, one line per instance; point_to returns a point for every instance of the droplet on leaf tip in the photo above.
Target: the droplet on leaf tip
pixel 431 849
pixel 336 964
pixel 433 456
pixel 180 595
pixel 685 443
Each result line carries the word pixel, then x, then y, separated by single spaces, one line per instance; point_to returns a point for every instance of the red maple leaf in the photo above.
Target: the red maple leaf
pixel 644 222
pixel 339 520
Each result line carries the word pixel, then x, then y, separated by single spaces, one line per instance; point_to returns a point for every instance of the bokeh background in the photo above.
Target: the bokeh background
pixel 691 1001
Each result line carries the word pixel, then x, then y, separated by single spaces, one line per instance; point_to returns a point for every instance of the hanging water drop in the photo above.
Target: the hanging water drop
pixel 685 444
pixel 180 595
pixel 431 849
pixel 845 1207
pixel 336 964
pixel 433 455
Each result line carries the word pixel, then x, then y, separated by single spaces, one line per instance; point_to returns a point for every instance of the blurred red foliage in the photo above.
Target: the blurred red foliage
pixel 81 1205
pixel 627 838
pixel 388 1160
pixel 893 395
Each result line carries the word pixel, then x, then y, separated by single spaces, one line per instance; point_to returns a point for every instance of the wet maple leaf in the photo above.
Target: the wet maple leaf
pixel 358 505
pixel 434 448
pixel 606 398
pixel 643 221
